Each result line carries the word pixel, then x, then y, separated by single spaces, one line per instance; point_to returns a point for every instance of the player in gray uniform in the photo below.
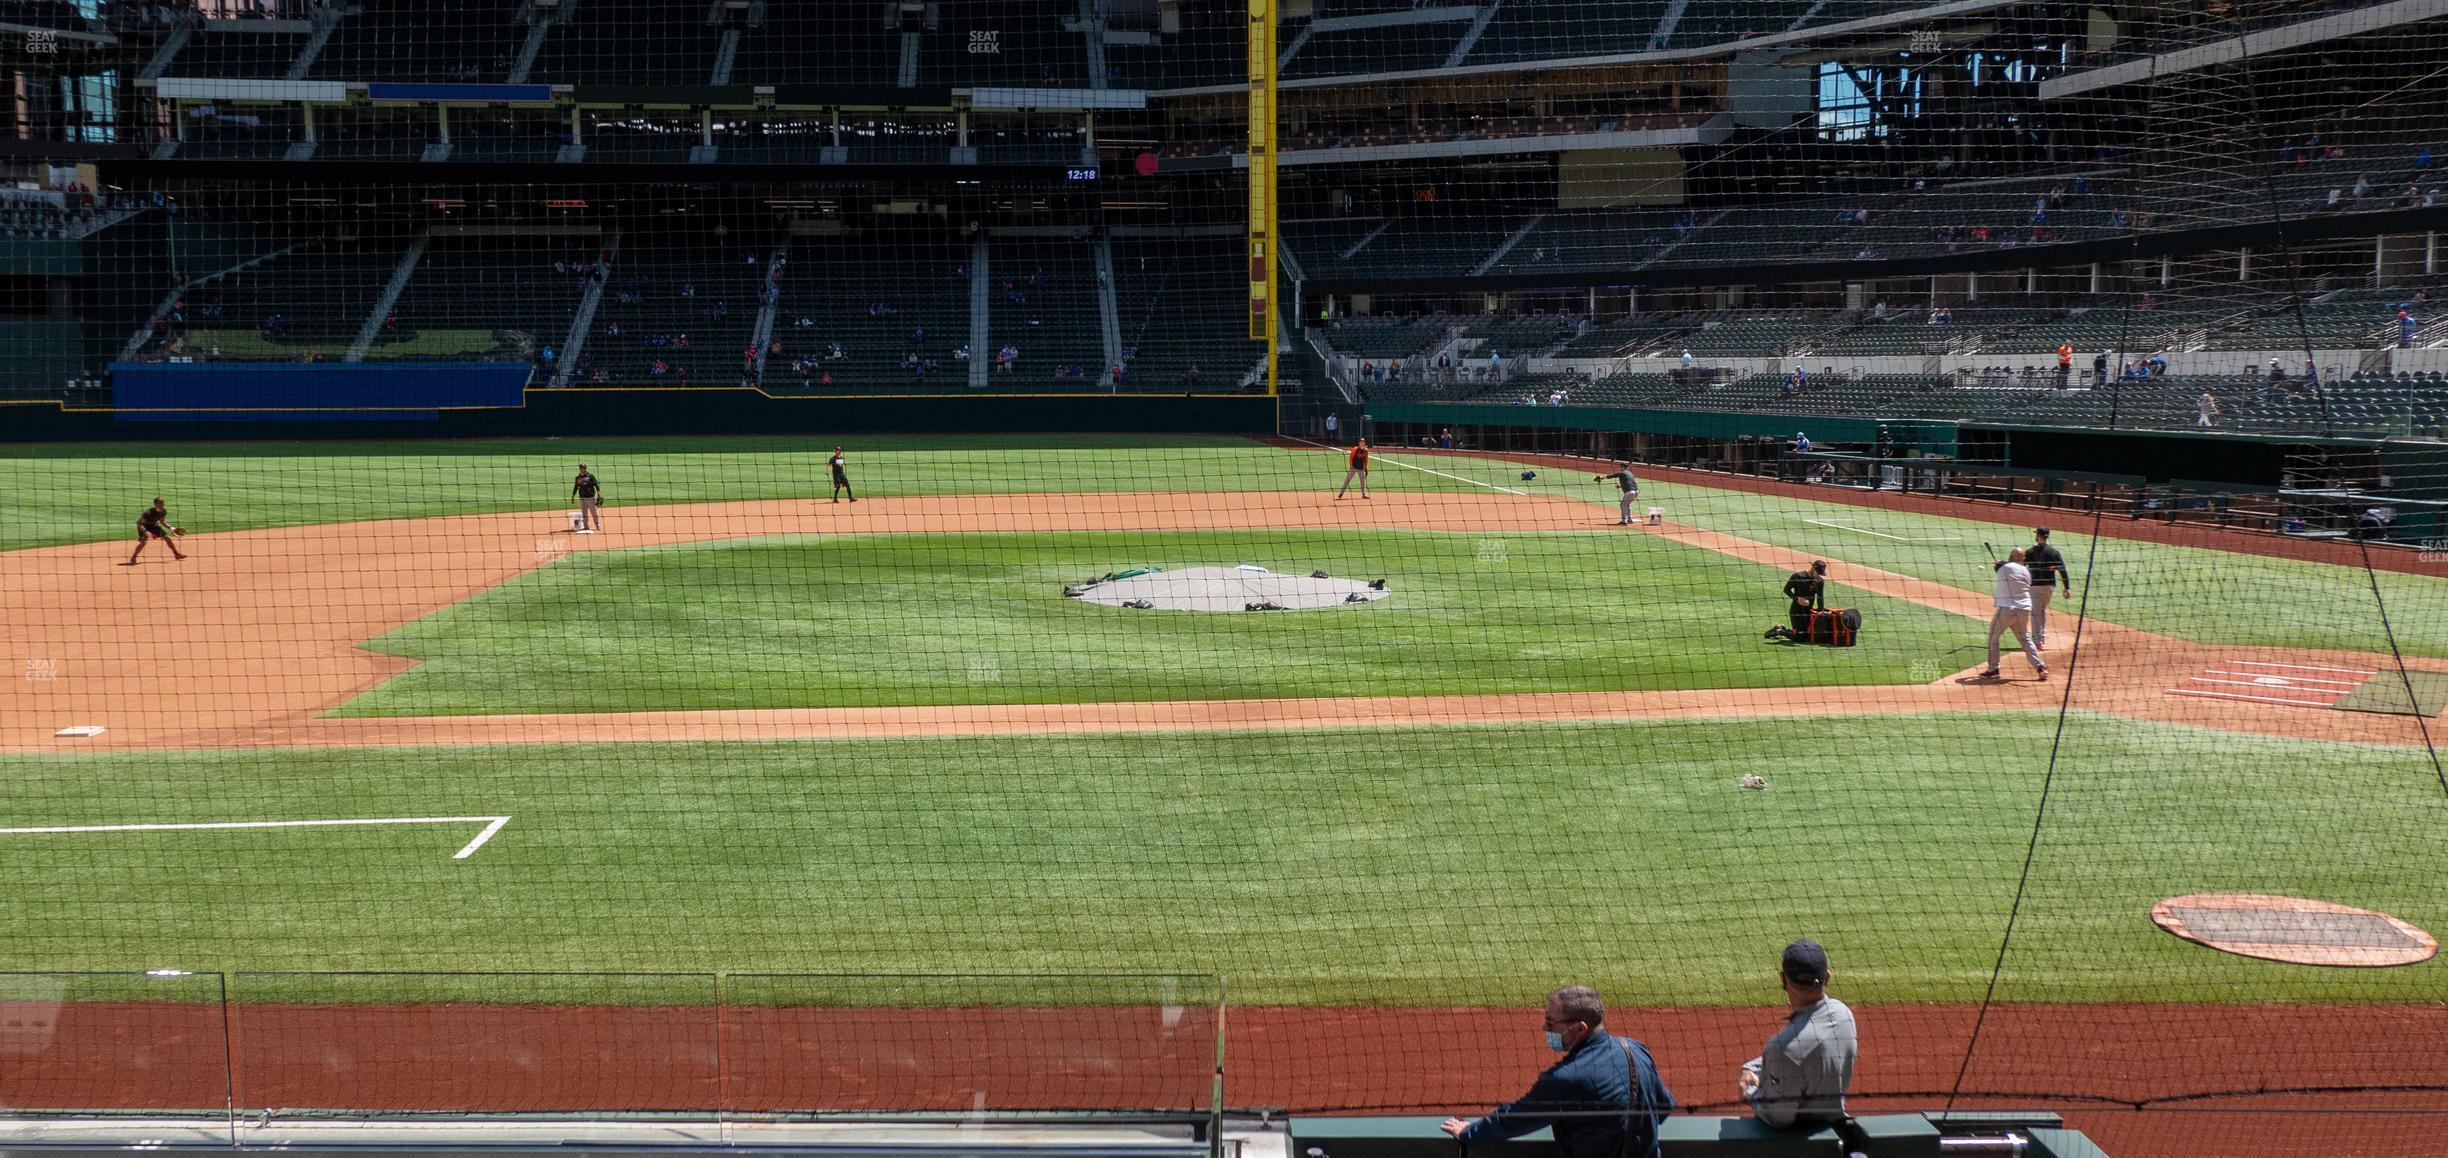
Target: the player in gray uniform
pixel 2013 602
pixel 1631 490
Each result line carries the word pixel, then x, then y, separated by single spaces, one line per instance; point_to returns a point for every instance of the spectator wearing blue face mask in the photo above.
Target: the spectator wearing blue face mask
pixel 1604 1098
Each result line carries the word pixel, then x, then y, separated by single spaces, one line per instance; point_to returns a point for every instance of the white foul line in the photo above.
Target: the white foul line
pixel 1373 454
pixel 492 824
pixel 1883 534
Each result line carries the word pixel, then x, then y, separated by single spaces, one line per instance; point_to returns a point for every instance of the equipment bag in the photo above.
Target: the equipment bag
pixel 1835 627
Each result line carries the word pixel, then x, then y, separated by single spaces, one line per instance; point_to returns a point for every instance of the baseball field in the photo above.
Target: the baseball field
pixel 743 729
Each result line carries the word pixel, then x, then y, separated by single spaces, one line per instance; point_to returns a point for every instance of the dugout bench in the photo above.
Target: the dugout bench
pixel 1691 1136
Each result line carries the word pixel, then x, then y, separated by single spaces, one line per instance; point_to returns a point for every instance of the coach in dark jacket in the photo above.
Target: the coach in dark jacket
pixel 1604 1099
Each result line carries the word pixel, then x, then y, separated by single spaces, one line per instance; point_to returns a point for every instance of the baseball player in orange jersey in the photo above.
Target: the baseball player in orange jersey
pixel 1359 470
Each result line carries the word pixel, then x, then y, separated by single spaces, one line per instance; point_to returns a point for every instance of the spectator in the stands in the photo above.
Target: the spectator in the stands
pixel 1687 358
pixel 2156 364
pixel 1942 316
pixel 2337 196
pixel 2099 366
pixel 2065 364
pixel 2362 187
pixel 2277 373
pixel 2206 409
pixel 2406 328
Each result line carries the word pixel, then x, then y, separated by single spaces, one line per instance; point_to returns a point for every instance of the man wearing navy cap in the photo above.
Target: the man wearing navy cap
pixel 1800 1077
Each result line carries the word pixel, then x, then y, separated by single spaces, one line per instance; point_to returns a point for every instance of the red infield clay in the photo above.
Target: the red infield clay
pixel 242 645
pixel 2288 684
pixel 2098 1063
pixel 247 641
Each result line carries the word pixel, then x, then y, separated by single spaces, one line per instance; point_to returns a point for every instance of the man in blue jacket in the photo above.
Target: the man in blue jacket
pixel 1604 1098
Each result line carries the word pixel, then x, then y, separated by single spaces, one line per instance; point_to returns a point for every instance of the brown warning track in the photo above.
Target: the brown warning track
pixel 244 644
pixel 2150 1079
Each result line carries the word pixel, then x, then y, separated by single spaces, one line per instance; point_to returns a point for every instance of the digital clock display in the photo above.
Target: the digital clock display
pixel 1080 174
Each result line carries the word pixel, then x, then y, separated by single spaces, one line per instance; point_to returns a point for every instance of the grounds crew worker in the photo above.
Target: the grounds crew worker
pixel 2048 571
pixel 1805 592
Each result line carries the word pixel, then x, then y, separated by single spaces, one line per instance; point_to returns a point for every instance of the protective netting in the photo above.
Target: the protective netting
pixel 429 770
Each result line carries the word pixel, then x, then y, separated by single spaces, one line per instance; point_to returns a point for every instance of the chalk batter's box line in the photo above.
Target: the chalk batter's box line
pixel 2255 699
pixel 2263 684
pixel 2290 681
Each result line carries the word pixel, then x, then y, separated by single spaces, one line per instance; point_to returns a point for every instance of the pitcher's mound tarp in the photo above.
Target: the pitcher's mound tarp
pixel 2293 929
pixel 1242 588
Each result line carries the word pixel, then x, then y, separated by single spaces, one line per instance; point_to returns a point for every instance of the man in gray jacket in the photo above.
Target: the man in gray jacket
pixel 2013 601
pixel 1800 1077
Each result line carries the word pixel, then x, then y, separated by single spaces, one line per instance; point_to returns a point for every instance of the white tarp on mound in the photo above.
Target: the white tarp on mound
pixel 1229 589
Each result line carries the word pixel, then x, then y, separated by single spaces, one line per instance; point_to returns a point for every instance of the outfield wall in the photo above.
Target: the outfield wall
pixel 614 413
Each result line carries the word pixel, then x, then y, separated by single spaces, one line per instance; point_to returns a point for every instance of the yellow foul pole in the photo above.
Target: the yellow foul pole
pixel 1263 313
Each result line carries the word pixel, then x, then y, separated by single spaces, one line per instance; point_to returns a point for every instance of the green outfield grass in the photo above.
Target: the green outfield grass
pixel 1414 866
pixel 2209 596
pixel 859 621
pixel 68 493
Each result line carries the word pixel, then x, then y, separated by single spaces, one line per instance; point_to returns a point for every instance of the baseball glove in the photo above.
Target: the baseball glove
pixel 179 531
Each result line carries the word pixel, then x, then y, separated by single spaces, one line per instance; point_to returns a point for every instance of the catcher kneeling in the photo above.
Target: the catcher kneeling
pixel 1810 620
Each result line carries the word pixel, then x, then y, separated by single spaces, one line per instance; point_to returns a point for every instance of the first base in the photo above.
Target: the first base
pixel 81 730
